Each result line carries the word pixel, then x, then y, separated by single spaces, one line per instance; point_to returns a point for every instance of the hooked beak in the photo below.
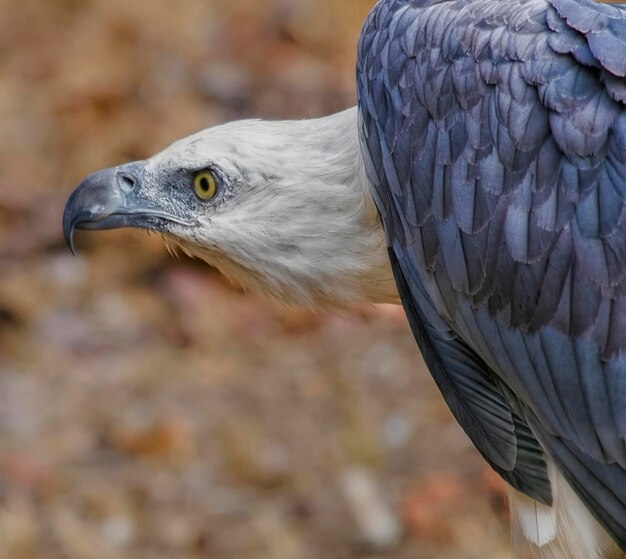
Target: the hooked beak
pixel 109 199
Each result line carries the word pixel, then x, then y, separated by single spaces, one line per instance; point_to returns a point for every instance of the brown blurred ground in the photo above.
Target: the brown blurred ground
pixel 147 409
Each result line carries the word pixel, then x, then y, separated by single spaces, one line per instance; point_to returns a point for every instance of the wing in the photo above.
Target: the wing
pixel 476 397
pixel 494 136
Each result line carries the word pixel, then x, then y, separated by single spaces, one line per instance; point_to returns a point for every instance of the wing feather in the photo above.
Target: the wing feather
pixel 494 137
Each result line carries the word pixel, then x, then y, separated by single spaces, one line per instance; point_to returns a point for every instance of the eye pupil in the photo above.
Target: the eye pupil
pixel 204 184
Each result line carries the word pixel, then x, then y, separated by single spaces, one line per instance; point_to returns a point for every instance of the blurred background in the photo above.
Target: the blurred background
pixel 148 409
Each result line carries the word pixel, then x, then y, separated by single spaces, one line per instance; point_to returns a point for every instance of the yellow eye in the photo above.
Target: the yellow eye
pixel 205 185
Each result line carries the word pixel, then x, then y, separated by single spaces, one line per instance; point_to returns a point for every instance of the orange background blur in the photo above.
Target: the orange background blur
pixel 149 410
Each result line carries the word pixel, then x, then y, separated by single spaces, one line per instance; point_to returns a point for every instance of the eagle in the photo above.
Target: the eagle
pixel 480 182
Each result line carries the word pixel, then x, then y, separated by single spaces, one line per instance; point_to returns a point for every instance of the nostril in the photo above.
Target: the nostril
pixel 126 181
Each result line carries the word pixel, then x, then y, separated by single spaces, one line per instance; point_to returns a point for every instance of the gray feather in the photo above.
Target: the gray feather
pixel 496 136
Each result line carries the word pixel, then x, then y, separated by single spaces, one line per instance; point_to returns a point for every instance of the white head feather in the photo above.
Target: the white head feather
pixel 300 225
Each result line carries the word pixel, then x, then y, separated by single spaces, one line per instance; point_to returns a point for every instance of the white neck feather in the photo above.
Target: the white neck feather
pixel 307 231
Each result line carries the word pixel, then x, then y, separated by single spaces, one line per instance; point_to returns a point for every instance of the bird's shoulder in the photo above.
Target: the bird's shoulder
pixel 494 137
pixel 498 129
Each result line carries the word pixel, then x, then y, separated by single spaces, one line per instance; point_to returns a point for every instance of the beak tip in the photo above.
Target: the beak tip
pixel 69 240
pixel 70 245
pixel 69 226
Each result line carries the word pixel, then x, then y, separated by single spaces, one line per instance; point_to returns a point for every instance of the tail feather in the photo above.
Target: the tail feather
pixel 565 530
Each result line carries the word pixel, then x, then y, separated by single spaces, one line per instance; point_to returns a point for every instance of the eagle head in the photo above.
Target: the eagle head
pixel 279 207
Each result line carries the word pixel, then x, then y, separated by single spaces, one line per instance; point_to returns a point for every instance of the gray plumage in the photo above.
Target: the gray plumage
pixel 495 140
pixel 490 145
